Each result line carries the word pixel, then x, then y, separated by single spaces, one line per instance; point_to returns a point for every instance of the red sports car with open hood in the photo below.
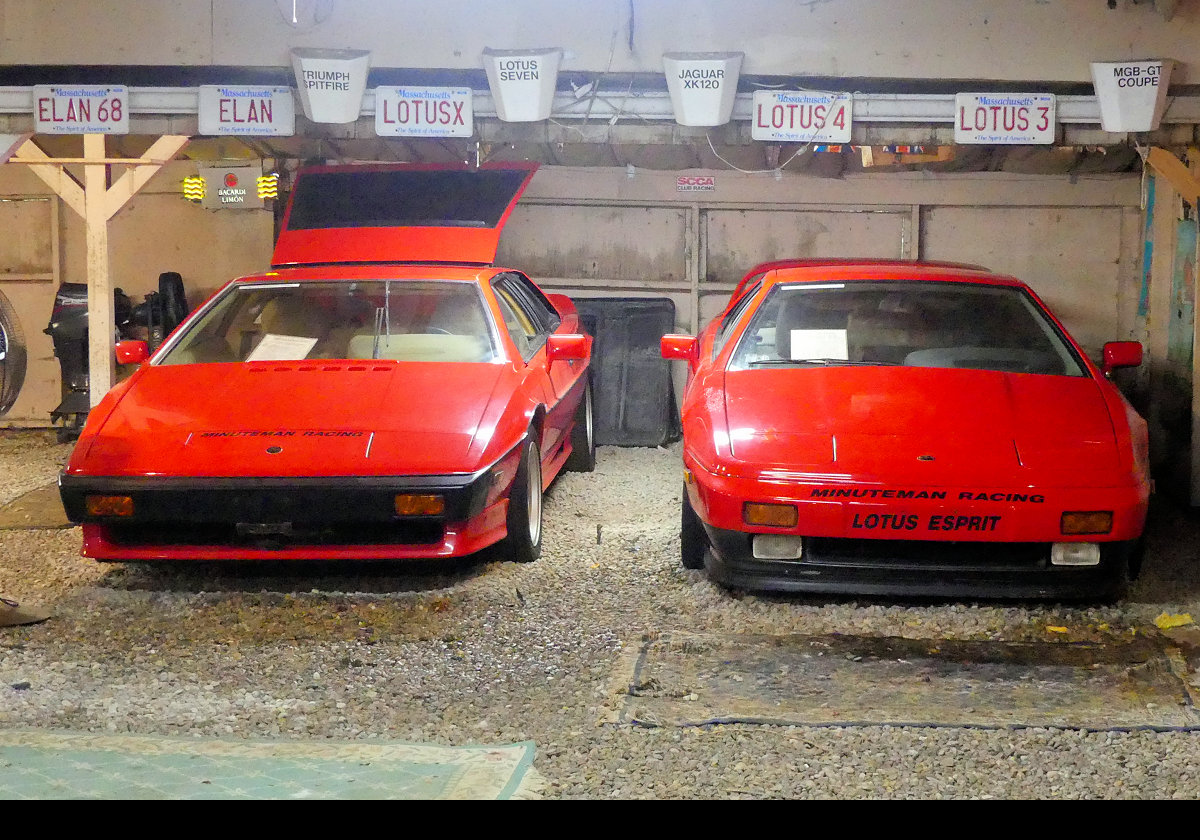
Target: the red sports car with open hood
pixel 384 391
pixel 901 428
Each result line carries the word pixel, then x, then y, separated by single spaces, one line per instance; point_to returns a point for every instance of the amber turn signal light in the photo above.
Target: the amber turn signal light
pixel 412 504
pixel 778 516
pixel 1086 522
pixel 109 506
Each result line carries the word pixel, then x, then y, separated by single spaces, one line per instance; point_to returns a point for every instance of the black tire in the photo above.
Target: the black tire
pixel 583 435
pixel 524 541
pixel 173 299
pixel 13 356
pixel 693 542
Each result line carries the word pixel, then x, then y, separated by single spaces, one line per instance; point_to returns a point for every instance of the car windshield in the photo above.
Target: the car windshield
pixel 913 323
pixel 405 320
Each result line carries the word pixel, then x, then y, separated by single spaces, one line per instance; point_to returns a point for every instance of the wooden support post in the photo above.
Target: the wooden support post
pixel 101 321
pixel 96 202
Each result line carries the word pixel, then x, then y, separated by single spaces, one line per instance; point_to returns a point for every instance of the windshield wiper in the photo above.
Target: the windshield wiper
pixel 827 362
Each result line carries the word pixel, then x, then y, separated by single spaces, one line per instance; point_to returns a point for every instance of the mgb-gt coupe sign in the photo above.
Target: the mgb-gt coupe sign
pixel 1004 118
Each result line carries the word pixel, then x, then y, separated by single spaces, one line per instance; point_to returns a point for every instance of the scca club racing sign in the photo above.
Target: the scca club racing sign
pixel 696 183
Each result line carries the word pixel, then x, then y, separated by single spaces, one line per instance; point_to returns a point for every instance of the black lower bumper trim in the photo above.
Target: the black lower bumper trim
pixel 919 568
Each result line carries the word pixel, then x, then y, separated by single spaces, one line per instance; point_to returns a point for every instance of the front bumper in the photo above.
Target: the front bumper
pixel 350 517
pixel 874 539
pixel 920 568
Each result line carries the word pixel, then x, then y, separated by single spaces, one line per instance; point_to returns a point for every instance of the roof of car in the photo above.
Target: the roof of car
pixel 356 272
pixel 876 269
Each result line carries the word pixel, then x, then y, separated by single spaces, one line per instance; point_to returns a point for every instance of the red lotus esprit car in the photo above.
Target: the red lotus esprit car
pixel 383 392
pixel 898 428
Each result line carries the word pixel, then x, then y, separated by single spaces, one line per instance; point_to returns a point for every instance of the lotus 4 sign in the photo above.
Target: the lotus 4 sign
pixel 798 116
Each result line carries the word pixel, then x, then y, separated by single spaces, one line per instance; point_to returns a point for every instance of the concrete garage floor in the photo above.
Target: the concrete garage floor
pixel 631 677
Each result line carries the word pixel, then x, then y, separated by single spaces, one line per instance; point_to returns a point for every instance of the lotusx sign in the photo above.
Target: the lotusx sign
pixel 1004 118
pixel 331 82
pixel 800 116
pixel 423 112
pixel 522 82
pixel 1132 94
pixel 231 187
pixel 233 109
pixel 702 86
pixel 81 109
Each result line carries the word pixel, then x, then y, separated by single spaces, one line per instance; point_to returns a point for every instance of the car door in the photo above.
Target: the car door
pixel 530 320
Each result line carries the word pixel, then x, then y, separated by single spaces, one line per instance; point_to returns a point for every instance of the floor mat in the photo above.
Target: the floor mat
pixel 38 764
pixel 40 508
pixel 690 680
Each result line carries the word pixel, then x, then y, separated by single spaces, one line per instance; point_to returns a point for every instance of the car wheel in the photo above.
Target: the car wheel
pixel 172 299
pixel 583 435
pixel 524 540
pixel 693 542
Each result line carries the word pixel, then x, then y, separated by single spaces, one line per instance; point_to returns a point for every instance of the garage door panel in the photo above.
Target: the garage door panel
pixel 628 244
pixel 26 247
pixel 1071 256
pixel 739 239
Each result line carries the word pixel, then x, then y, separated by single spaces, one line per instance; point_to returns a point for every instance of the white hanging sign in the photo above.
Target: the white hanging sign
pixel 1004 118
pixel 522 82
pixel 798 116
pixel 702 86
pixel 424 112
pixel 81 109
pixel 236 109
pixel 1132 94
pixel 331 82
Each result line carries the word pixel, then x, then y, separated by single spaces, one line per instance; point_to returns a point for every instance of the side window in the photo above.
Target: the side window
pixel 524 329
pixel 731 318
pixel 534 301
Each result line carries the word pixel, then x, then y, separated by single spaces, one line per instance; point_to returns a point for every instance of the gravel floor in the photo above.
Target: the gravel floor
pixel 494 652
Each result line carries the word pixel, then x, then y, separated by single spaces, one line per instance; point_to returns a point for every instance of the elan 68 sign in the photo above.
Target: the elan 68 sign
pixel 81 109
pixel 800 116
pixel 1004 118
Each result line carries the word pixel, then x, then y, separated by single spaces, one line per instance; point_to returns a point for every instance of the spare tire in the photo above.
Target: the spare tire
pixel 13 355
pixel 173 299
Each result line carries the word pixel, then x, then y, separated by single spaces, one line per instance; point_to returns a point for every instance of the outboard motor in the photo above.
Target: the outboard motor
pixel 68 330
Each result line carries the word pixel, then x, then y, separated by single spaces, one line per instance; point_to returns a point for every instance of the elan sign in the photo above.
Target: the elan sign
pixel 81 109
pixel 423 112
pixel 233 109
pixel 1004 118
pixel 798 116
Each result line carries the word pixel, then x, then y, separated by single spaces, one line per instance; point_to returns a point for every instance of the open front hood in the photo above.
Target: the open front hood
pixel 339 419
pixel 449 213
pixel 923 425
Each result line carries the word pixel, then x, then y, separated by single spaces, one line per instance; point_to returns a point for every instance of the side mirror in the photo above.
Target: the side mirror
pixel 683 348
pixel 568 346
pixel 1121 354
pixel 132 352
pixel 562 303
